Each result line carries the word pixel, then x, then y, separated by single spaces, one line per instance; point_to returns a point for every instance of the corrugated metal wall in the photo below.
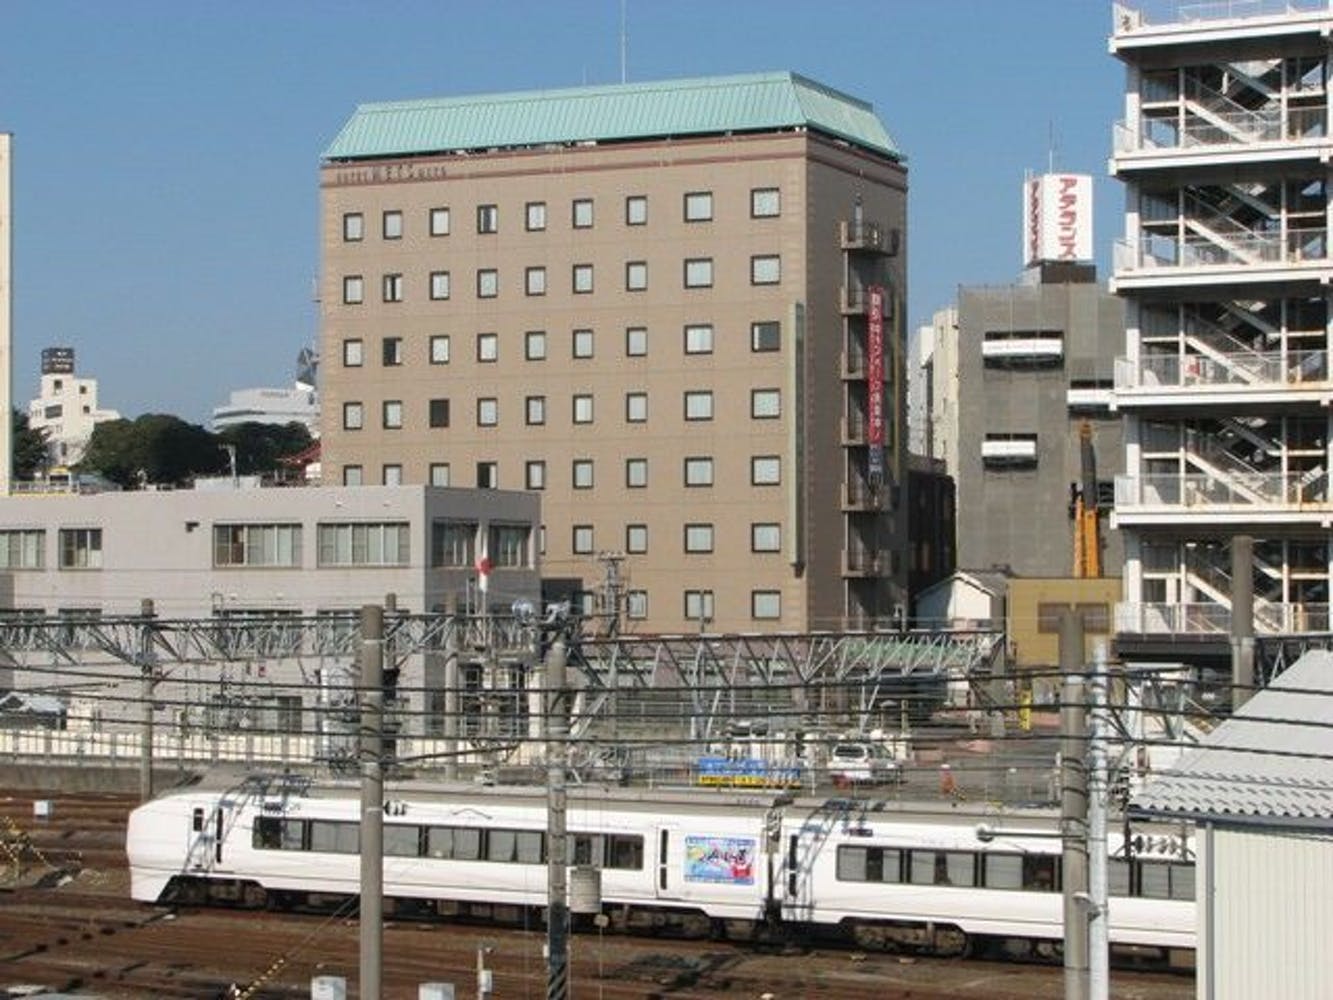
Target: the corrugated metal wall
pixel 1272 916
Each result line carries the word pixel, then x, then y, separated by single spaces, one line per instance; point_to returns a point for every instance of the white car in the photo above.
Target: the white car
pixel 862 763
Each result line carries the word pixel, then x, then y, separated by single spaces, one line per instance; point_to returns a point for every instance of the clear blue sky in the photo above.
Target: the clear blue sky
pixel 166 154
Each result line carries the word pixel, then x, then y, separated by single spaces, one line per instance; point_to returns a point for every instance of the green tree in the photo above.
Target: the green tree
pixel 29 445
pixel 260 446
pixel 156 448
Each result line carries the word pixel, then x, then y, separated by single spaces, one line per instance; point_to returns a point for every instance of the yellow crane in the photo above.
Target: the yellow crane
pixel 1087 530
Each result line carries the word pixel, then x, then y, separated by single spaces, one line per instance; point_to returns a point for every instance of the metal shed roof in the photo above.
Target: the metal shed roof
pixel 1272 760
pixel 702 106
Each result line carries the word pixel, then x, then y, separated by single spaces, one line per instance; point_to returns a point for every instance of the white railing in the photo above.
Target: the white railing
pixel 1192 491
pixel 1153 251
pixel 1135 15
pixel 1257 371
pixel 1209 618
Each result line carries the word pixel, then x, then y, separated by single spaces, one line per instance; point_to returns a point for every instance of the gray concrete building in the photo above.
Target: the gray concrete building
pixel 1035 360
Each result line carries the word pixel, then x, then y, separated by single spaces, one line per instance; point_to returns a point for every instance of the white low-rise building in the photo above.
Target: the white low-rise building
pixel 66 408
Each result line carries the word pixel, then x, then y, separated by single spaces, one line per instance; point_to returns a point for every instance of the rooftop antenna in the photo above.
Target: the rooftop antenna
pixel 1050 146
pixel 624 44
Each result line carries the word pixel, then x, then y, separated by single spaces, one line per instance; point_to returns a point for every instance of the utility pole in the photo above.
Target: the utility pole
pixel 1099 978
pixel 451 699
pixel 146 697
pixel 1074 804
pixel 372 800
pixel 557 853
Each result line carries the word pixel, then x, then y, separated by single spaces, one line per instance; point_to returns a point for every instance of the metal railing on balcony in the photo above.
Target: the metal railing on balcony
pixel 1154 251
pixel 1278 491
pixel 1135 15
pixel 857 495
pixel 1209 618
pixel 854 429
pixel 863 235
pixel 854 362
pixel 854 301
pixel 860 561
pixel 1254 370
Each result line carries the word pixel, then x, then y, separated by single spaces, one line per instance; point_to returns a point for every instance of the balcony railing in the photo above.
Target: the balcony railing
pixel 859 561
pixel 1283 491
pixel 1153 252
pixel 857 495
pixel 1133 15
pixel 867 236
pixel 1252 369
pixel 1229 128
pixel 854 430
pixel 1210 618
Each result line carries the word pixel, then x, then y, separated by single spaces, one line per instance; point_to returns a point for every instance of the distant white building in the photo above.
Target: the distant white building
pixel 66 407
pixel 299 405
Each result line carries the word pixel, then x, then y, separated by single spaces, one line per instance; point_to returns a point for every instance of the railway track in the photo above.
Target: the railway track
pixel 67 923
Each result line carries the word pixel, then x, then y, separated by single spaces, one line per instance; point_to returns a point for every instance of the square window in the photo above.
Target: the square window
pixel 534 475
pixel 636 473
pixel 698 538
pixel 393 225
pixel 353 353
pixel 636 276
pixel 488 347
pixel 765 470
pixel 488 476
pixel 582 409
pixel 353 416
pixel 765 538
pixel 699 405
pixel 699 272
pixel 636 210
pixel 393 414
pixel 439 349
pixel 583 213
pixel 765 269
pixel 488 283
pixel 765 203
pixel 699 338
pixel 636 604
pixel 535 410
pixel 636 407
pixel 581 474
pixel 393 288
pixel 582 279
pixel 439 473
pixel 636 538
pixel 698 206
pixel 354 227
pixel 535 281
pixel 488 219
pixel 391 351
pixel 352 475
pixel 534 345
pixel 766 336
pixel 699 471
pixel 391 475
pixel 636 341
pixel 582 539
pixel 765 404
pixel 535 216
pixel 439 285
pixel 766 604
pixel 582 343
pixel 439 222
pixel 354 290
pixel 699 606
pixel 488 412
pixel 439 413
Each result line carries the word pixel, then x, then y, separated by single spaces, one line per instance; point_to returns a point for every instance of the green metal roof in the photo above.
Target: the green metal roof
pixel 705 106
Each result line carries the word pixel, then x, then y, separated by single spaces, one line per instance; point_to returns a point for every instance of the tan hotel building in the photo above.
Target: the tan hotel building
pixel 651 303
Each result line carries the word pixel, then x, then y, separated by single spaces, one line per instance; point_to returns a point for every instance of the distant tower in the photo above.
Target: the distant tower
pixel 6 314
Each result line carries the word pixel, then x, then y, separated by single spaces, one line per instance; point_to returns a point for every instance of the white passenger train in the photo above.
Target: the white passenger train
pixel 883 874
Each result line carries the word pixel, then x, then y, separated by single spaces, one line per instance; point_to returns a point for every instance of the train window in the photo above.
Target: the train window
pixel 585 849
pixel 1004 871
pixel 942 868
pixel 500 846
pixel 1117 878
pixel 529 847
pixel 439 842
pixel 334 838
pixel 1041 872
pixel 869 864
pixel 852 864
pixel 267 833
pixel 1158 880
pixel 467 844
pixel 624 853
pixel 293 835
pixel 197 821
pixel 401 841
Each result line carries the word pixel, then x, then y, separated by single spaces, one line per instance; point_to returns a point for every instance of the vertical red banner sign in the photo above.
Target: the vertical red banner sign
pixel 875 383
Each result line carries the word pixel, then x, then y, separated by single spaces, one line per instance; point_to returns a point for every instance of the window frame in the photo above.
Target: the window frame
pixel 759 260
pixel 633 534
pixel 354 352
pixel 354 227
pixel 391 224
pixel 764 595
pixel 755 479
pixel 763 394
pixel 632 200
pixel 697 338
pixel 577 341
pixel 577 273
pixel 636 407
pixel 434 216
pixel 354 289
pixel 488 283
pixel 576 209
pixel 441 286
pixel 437 415
pixel 691 395
pixel 636 473
pixel 534 474
pixel 633 334
pixel 488 219
pixel 534 411
pixel 391 414
pixel 354 415
pixel 534 216
pixel 693 464
pixel 690 200
pixel 758 527
pixel 438 357
pixel 633 267
pixel 534 345
pixel 699 538
pixel 488 348
pixel 698 262
pixel 391 352
pixel 534 281
pixel 488 406
pixel 578 402
pixel 582 474
pixel 577 535
pixel 755 193
pixel 758 330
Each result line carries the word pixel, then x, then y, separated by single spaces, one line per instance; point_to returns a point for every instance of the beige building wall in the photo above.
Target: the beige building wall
pixel 1034 606
pixel 818 181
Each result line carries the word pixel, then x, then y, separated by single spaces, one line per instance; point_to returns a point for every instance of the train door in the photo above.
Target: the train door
pixel 207 844
pixel 663 884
